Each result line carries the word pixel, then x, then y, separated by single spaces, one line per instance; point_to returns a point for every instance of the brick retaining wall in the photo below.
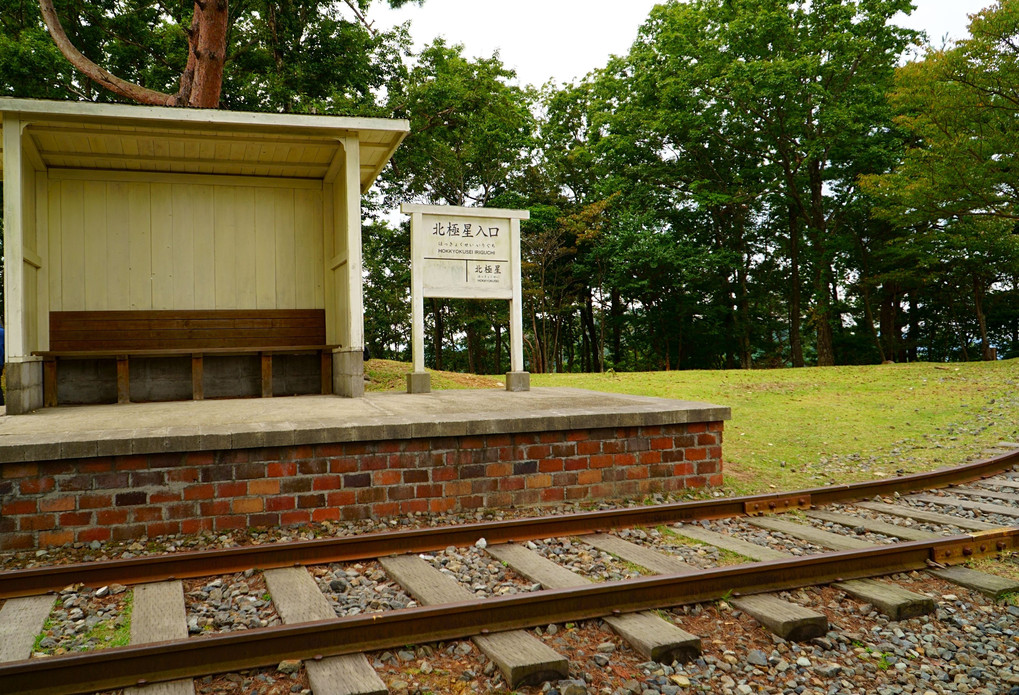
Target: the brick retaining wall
pixel 50 503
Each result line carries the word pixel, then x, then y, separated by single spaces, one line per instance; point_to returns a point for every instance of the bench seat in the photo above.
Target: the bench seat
pixel 123 335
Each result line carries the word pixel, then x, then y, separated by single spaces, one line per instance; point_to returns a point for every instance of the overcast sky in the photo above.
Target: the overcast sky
pixel 565 39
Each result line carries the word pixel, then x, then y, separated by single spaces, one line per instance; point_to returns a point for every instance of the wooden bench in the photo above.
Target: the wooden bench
pixel 121 335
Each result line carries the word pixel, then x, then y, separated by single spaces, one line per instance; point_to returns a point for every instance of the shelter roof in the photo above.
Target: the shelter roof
pixel 84 135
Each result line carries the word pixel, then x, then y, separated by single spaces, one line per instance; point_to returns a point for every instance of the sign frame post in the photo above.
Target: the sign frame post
pixel 457 252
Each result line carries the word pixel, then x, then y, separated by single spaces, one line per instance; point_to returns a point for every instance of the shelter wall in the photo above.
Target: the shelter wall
pixel 124 241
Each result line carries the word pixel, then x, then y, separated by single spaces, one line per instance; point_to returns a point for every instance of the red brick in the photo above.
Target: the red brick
pixel 683 469
pixel 355 511
pixel 386 508
pixel 326 514
pixel 195 525
pixel 299 516
pixel 333 450
pixel 247 505
pixel 20 470
pixel 75 518
pixel 200 458
pixel 589 477
pixel 707 439
pixel 576 463
pixel 538 451
pixel 696 427
pixel 612 446
pixel 553 494
pixel 623 459
pixel 418 475
pixel 111 517
pixel 280 503
pixel 264 487
pixel 56 504
pixel 498 470
pixel 603 460
pixel 499 499
pixel 511 483
pixel 440 505
pixel 37 522
pixel 19 507
pixel 205 491
pixel 443 474
pixel 298 453
pixel 131 463
pixel 278 469
pixel 162 528
pixel 96 465
pixel 589 447
pixel 715 480
pixel 228 523
pixel 341 498
pixel 636 472
pixel 181 510
pixel 698 454
pixel 455 488
pixel 182 475
pixel 234 489
pixel 648 457
pixel 564 479
pixel 17 541
pixel 472 502
pixel 347 465
pixel 550 465
pixel 95 501
pixel 145 514
pixel 52 538
pixel 388 447
pixel 112 481
pixel 400 492
pixel 387 477
pixel 311 501
pixel 661 443
pixel 35 486
pixel 96 533
pixel 694 481
pixel 236 456
pixel 538 481
pixel 706 467
pixel 479 485
pixel 164 496
pixel 413 506
pixel 578 435
pixel 215 508
pixel 263 520
pixel 716 426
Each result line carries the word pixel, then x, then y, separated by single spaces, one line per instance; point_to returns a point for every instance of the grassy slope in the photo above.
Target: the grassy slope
pixel 796 428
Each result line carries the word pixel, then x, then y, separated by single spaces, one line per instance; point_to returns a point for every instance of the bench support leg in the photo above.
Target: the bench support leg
pixel 266 375
pixel 49 383
pixel 327 372
pixel 197 377
pixel 123 380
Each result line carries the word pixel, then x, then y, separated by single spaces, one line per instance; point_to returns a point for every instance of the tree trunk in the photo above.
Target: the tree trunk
pixel 822 310
pixel 202 79
pixel 795 310
pixel 868 315
pixel 978 302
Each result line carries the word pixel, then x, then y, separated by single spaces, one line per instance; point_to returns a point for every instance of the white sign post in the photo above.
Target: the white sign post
pixel 465 253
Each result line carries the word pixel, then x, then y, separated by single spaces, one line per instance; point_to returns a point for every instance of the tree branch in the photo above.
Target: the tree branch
pixel 361 18
pixel 110 81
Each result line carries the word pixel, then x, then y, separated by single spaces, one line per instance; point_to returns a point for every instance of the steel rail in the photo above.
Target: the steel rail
pixel 128 666
pixel 203 563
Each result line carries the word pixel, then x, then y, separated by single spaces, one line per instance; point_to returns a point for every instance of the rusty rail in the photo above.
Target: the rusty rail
pixel 128 666
pixel 29 582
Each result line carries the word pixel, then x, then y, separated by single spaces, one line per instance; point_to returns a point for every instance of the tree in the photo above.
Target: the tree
pixel 173 55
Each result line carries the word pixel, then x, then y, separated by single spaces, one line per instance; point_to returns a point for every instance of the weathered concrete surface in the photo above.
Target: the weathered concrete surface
pixel 144 428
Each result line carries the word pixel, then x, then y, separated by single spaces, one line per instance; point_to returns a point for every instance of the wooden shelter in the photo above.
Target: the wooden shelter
pixel 154 253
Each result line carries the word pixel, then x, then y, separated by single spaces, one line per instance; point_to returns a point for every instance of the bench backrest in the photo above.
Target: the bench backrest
pixel 95 331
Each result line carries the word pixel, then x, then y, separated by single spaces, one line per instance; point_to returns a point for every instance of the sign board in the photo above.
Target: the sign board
pixel 465 253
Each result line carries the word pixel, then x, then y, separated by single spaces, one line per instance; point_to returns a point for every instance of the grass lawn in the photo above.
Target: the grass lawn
pixel 796 428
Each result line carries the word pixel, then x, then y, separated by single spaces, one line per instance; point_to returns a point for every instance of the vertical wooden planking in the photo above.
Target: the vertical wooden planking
pixel 73 239
pixel 42 240
pixel 244 258
pixel 118 247
pixel 286 265
pixel 139 215
pixel 203 199
pixel 95 259
pixel 307 247
pixel 54 243
pixel 265 249
pixel 183 246
pixel 162 246
pixel 318 242
pixel 329 248
pixel 225 236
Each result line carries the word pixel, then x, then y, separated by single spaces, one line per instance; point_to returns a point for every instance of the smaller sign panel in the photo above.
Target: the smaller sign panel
pixel 466 257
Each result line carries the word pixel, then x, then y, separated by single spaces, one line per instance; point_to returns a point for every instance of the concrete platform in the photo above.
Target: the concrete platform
pixel 115 472
pixel 146 428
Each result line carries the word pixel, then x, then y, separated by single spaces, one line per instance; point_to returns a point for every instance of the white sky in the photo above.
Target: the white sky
pixel 565 39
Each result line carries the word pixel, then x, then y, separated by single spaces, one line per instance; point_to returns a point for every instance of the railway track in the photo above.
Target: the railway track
pixel 845 536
